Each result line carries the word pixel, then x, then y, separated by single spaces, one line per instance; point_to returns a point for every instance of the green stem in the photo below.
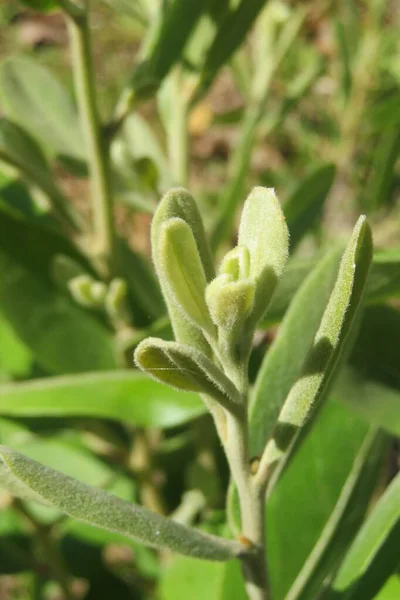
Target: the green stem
pixel 98 156
pixel 50 549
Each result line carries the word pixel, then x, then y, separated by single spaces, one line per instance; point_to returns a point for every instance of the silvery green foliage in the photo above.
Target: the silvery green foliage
pixel 30 480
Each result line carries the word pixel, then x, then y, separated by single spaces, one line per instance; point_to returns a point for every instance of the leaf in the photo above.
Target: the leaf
pixel 383 282
pixel 21 151
pixel 264 232
pixel 60 335
pixel 177 24
pixel 231 32
pixel 183 272
pixel 377 403
pixel 380 183
pixel 283 362
pixel 372 537
pixel 186 578
pixel 344 520
pixel 305 497
pixel 185 368
pixel 303 208
pixel 31 479
pixel 15 358
pixel 35 99
pixel 125 396
pixel 178 203
pixel 328 347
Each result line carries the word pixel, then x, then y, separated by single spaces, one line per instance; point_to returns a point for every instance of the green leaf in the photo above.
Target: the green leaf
pixel 35 99
pixel 344 520
pixel 374 534
pixel 304 206
pixel 377 403
pixel 183 272
pixel 186 578
pixel 185 368
pixel 178 203
pixel 60 335
pixel 305 496
pixel 264 232
pixel 15 358
pixel 177 24
pixel 21 151
pixel 283 362
pixel 231 32
pixel 329 345
pixel 383 282
pixel 382 176
pixel 32 480
pixel 120 395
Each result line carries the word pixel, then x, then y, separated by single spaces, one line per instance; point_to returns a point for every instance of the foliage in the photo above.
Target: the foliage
pixel 169 429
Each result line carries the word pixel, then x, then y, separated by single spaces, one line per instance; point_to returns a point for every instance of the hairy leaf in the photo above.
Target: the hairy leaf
pixel 184 367
pixel 31 480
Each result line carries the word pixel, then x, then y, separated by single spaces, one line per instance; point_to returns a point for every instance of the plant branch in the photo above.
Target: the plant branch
pixel 50 549
pixel 98 158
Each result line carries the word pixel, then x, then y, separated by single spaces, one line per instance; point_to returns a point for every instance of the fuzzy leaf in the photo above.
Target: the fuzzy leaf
pixel 179 203
pixel 183 272
pixel 185 368
pixel 29 479
pixel 263 230
pixel 329 343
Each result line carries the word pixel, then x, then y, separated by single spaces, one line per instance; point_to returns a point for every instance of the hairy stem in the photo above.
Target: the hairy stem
pixel 98 157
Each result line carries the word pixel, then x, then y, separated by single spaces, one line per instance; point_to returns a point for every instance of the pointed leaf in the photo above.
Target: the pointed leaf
pixel 329 344
pixel 283 362
pixel 384 518
pixel 31 480
pixel 184 367
pixel 344 521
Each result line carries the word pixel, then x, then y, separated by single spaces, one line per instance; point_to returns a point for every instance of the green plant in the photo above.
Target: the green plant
pixel 290 495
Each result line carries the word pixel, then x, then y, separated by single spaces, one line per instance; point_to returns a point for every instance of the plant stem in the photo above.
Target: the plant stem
pixel 177 129
pixel 98 156
pixel 251 492
pixel 50 549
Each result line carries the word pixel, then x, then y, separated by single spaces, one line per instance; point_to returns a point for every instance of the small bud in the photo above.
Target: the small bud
pixel 229 301
pixel 115 300
pixel 98 291
pixel 236 263
pixel 80 288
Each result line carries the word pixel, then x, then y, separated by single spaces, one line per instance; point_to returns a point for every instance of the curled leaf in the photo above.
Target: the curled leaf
pixel 185 368
pixel 183 272
pixel 178 203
